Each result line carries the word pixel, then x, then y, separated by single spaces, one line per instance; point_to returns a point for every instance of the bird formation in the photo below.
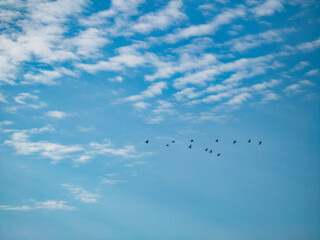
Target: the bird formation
pixel 206 149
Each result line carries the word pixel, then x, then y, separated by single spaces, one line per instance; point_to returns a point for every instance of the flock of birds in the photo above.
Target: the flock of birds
pixel 206 149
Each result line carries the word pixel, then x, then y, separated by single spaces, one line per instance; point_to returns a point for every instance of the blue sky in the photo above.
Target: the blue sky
pixel 85 83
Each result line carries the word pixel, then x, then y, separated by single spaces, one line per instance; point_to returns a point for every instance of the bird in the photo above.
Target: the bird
pixel 167 145
pixel 191 140
pixel 206 149
pixel 234 141
pixel 260 142
pixel 210 151
pixel 218 154
pixel 190 146
pixel 249 141
pixel 147 141
pixel 173 141
pixel 217 140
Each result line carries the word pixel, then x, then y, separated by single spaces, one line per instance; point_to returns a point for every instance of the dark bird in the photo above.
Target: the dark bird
pixel 217 140
pixel 167 145
pixel 173 141
pixel 206 149
pixel 218 154
pixel 210 151
pixel 147 141
pixel 190 146
pixel 234 141
pixel 191 140
pixel 249 141
pixel 260 143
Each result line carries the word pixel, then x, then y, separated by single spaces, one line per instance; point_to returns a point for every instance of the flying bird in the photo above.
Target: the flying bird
pixel 167 145
pixel 249 141
pixel 218 154
pixel 206 149
pixel 217 140
pixel 191 140
pixel 260 143
pixel 147 141
pixel 173 141
pixel 210 151
pixel 234 141
pixel 190 146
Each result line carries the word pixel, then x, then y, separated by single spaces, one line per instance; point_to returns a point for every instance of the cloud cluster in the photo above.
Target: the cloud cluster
pixel 21 141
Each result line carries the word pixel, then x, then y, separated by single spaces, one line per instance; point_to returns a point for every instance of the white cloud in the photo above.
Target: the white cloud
pixel 313 72
pixel 306 83
pixel 85 129
pixel 55 151
pixel 297 87
pixel 254 40
pixel 270 96
pixel 117 63
pixel 127 151
pixel 26 100
pixel 56 114
pixel 38 37
pixel 309 46
pixel 46 77
pixel 89 42
pixel 207 29
pixel 152 91
pixel 268 8
pixel 155 119
pixel 116 79
pixel 292 88
pixel 160 19
pixel 186 63
pixel 80 194
pixel 246 67
pixel 239 99
pixel 20 140
pixel 49 205
pixel 238 95
pixel 163 107
pixel 2 98
pixel 300 66
pixel 141 105
pixel 188 93
pixel 109 181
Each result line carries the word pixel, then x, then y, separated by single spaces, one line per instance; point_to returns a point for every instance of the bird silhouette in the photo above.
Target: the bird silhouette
pixel 217 140
pixel 206 149
pixel 210 151
pixel 218 154
pixel 147 141
pixel 190 146
pixel 249 141
pixel 234 141
pixel 260 143
pixel 191 140
pixel 173 141
pixel 167 145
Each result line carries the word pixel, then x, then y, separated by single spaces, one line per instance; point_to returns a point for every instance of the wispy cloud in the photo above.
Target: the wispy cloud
pixel 80 194
pixel 297 87
pixel 152 91
pixel 26 100
pixel 56 114
pixel 255 40
pixel 207 29
pixel 20 140
pixel 268 8
pixel 161 19
pixel 313 72
pixel 49 205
